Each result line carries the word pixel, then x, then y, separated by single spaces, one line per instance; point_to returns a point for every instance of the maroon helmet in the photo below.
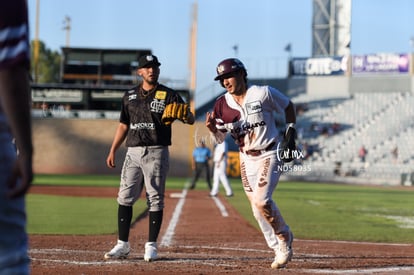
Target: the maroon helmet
pixel 228 66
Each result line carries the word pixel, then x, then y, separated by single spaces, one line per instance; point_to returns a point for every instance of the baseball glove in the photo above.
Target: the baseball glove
pixel 174 111
pixel 288 145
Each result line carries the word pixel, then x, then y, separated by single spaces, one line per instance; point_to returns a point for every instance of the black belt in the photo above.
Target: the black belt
pixel 256 153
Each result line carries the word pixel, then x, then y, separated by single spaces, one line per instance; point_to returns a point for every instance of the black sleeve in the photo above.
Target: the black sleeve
pixel 124 116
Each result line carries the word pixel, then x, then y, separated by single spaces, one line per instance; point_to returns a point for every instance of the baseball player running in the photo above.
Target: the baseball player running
pixel 145 122
pixel 246 112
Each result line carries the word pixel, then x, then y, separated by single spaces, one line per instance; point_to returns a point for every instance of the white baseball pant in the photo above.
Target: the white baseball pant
pixel 260 176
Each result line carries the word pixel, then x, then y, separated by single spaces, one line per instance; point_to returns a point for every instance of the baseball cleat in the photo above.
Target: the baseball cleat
pixel 284 252
pixel 150 252
pixel 120 251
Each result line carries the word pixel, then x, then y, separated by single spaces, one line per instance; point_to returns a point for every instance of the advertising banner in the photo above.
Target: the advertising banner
pixel 56 95
pixel 380 63
pixel 319 66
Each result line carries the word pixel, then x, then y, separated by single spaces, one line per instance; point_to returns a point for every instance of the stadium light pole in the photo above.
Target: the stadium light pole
pixel 66 27
pixel 193 66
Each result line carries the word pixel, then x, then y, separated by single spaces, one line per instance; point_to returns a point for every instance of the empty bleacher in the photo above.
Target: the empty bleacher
pixel 379 121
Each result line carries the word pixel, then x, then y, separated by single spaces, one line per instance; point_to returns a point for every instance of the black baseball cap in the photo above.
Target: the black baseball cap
pixel 146 60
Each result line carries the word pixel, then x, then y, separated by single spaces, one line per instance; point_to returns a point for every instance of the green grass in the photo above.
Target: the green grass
pixel 313 210
pixel 343 212
pixel 74 215
pixel 78 180
pixel 347 212
pixel 93 180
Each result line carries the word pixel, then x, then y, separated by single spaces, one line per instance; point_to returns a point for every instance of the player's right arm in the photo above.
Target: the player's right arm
pixel 15 95
pixel 119 138
pixel 211 124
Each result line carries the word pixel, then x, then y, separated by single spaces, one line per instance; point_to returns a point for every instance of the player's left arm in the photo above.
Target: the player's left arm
pixel 177 109
pixel 190 119
pixel 288 143
pixel 187 115
pixel 290 113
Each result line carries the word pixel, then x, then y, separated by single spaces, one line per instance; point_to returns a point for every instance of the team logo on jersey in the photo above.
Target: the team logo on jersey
pixel 161 95
pixel 157 106
pixel 132 97
pixel 142 125
pixel 253 107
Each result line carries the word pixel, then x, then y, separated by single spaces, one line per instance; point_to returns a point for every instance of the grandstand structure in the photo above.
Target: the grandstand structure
pixel 332 130
pixel 349 102
pixel 97 66
pixel 92 83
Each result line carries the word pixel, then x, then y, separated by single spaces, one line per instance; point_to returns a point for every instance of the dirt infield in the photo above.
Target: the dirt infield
pixel 204 235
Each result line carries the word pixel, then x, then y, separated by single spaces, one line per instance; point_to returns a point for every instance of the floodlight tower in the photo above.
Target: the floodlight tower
pixel 67 27
pixel 331 27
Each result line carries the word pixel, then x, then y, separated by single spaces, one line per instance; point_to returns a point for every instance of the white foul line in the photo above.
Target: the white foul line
pixel 221 207
pixel 169 233
pixel 393 269
pixel 167 238
pixel 215 261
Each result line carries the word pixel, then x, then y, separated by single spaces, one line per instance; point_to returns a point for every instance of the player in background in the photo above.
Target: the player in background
pixel 16 172
pixel 200 163
pixel 219 173
pixel 247 114
pixel 147 159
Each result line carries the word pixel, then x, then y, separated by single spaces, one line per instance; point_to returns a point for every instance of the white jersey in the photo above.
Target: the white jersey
pixel 252 125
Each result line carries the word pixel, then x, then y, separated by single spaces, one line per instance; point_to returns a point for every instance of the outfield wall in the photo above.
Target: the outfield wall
pixel 80 146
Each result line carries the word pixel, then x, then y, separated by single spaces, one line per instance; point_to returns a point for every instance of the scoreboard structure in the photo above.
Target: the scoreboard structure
pixel 100 66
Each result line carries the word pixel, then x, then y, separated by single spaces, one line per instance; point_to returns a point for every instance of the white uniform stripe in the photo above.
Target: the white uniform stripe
pixel 11 52
pixel 13 33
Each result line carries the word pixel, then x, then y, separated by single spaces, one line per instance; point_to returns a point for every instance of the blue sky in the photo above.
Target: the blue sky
pixel 260 28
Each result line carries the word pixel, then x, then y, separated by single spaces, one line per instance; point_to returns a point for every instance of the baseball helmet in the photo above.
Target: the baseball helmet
pixel 228 66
